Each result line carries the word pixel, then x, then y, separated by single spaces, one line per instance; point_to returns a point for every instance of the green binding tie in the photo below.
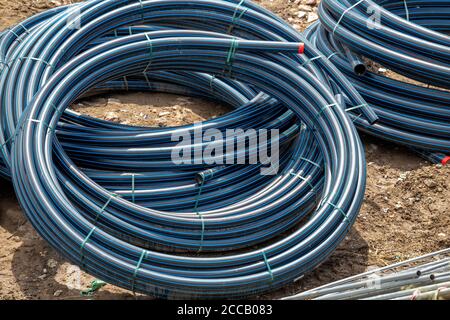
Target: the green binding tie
pixel 95 286
pixel 269 269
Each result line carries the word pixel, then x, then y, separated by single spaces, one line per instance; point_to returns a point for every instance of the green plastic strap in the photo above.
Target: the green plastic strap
pixel 340 210
pixel 269 269
pixel 56 109
pixel 230 57
pixel 147 79
pixel 115 33
pixel 211 82
pixel 95 286
pixel 142 10
pixel 125 81
pixel 83 244
pixel 308 61
pixel 344 13
pixel 406 10
pixel 319 114
pixel 236 17
pixel 150 53
pixel 312 162
pixel 59 113
pixel 197 200
pixel 42 123
pixel 297 175
pixel 105 206
pixel 233 47
pixel 27 31
pixel 17 36
pixel 133 198
pixel 10 139
pixel 4 64
pixel 202 236
pixel 356 118
pixel 237 8
pixel 332 55
pixel 357 107
pixel 37 60
pixel 136 270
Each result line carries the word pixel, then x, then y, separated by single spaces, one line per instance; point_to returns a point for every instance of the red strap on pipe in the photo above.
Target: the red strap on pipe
pixel 445 160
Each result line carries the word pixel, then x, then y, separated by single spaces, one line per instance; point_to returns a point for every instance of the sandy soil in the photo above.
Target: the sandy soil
pixel 405 212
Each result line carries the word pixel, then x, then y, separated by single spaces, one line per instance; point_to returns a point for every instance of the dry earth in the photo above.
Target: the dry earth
pixel 405 213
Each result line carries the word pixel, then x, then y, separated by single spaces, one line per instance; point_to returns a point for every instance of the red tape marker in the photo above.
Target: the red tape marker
pixel 301 48
pixel 445 160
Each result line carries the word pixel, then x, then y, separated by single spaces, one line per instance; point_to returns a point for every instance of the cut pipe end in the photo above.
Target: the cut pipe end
pixel 360 69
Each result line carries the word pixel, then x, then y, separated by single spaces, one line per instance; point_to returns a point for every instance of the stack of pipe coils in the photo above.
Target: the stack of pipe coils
pixel 109 197
pixel 409 38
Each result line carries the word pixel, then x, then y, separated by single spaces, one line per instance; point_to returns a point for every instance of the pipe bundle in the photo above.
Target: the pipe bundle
pixel 422 278
pixel 407 37
pixel 108 197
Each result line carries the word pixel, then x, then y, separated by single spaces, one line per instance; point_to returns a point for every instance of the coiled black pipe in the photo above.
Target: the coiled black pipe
pixel 409 39
pixel 106 195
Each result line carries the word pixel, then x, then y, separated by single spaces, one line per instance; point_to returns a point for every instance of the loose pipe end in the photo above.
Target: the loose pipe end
pixel 359 69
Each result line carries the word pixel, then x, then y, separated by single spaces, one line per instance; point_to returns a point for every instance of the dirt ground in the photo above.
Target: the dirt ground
pixel 405 213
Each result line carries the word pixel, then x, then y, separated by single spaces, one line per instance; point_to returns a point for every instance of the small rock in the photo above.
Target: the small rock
pixel 42 277
pixel 52 263
pixel 306 8
pixel 301 14
pixel 111 116
pixel 312 16
pixel 57 293
pixel 430 183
